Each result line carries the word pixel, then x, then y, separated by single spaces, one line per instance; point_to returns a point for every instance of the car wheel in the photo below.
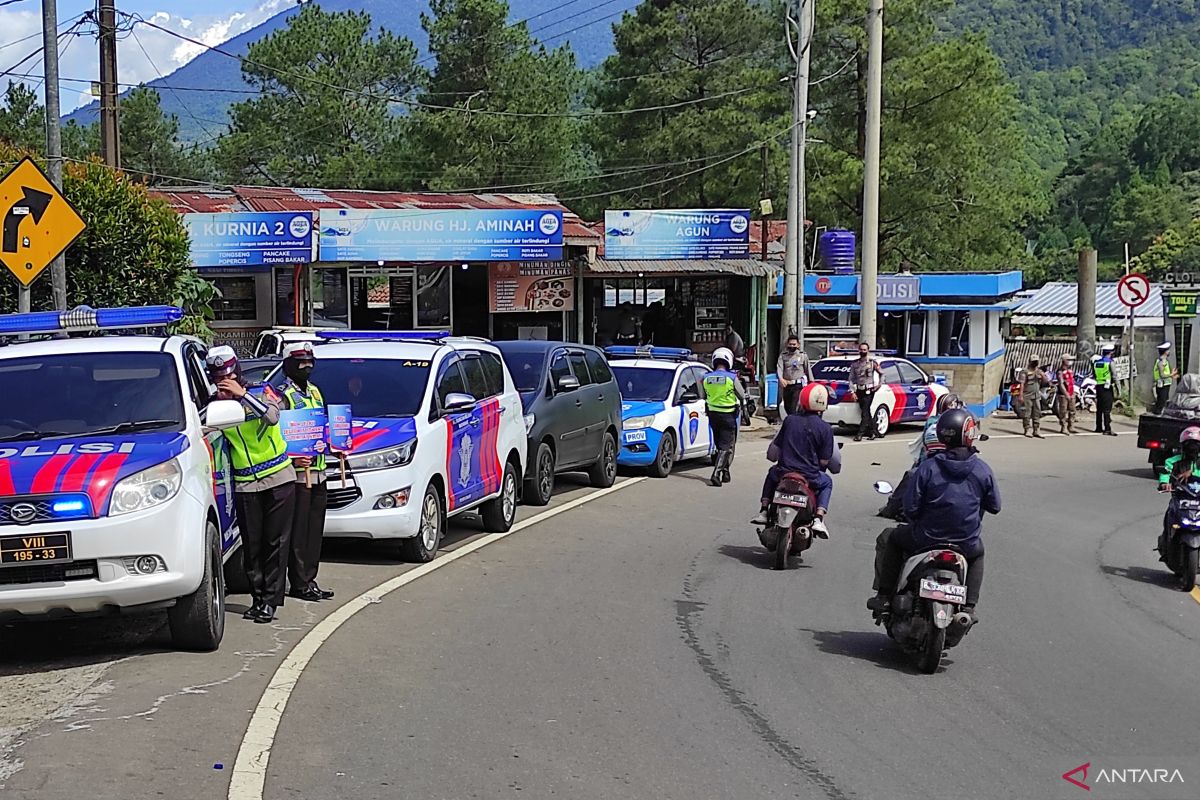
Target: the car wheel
pixel 603 473
pixel 500 513
pixel 197 622
pixel 539 486
pixel 423 547
pixel 883 421
pixel 664 460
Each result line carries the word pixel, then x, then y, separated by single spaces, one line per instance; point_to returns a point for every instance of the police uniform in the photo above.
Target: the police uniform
pixel 1031 380
pixel 1164 376
pixel 723 396
pixel 794 369
pixel 1102 371
pixel 312 500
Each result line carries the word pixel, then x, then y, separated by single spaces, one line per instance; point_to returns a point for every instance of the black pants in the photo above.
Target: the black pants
pixel 265 519
pixel 1104 405
pixel 308 530
pixel 866 427
pixel 894 506
pixel 724 427
pixel 1161 395
pixel 896 545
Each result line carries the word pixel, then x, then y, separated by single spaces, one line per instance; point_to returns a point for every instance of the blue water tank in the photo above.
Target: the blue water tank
pixel 837 250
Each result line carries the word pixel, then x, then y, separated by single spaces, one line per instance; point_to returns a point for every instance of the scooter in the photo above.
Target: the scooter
pixel 1179 544
pixel 791 513
pixel 926 615
pixel 744 369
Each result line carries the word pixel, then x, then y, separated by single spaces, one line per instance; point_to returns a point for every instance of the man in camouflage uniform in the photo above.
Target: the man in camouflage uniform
pixel 1031 380
pixel 1064 396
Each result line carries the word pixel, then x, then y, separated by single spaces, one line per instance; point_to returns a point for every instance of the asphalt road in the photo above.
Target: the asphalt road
pixel 639 646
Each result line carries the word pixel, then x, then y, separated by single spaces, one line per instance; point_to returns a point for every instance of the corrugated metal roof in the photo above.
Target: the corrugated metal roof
pixel 1101 322
pixel 742 267
pixel 1062 300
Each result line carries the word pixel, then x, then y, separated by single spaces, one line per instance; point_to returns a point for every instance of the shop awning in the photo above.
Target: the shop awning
pixel 745 268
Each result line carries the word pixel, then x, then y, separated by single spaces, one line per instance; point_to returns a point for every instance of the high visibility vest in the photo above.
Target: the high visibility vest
pixel 298 399
pixel 719 391
pixel 256 450
pixel 1162 372
pixel 1103 372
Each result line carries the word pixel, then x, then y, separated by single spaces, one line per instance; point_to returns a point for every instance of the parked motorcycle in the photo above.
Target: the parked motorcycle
pixel 926 615
pixel 744 369
pixel 1179 545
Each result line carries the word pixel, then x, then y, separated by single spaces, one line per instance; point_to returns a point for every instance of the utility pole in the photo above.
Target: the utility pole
pixel 800 15
pixel 110 133
pixel 870 261
pixel 58 267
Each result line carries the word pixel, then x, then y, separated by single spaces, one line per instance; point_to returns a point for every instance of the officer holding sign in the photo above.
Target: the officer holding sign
pixel 312 494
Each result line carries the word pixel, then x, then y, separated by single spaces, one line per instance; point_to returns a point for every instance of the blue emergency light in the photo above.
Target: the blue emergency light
pixel 649 351
pixel 84 319
pixel 384 336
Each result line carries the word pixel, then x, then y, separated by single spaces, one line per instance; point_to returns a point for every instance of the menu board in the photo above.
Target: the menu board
pixel 527 286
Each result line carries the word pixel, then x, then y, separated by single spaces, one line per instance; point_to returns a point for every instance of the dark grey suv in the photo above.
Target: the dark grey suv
pixel 572 412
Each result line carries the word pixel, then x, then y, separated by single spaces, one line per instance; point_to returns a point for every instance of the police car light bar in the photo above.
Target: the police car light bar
pixel 384 336
pixel 84 319
pixel 649 351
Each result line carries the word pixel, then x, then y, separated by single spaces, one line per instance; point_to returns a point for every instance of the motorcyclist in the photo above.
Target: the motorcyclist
pixel 921 448
pixel 804 444
pixel 944 504
pixel 1178 469
pixel 724 397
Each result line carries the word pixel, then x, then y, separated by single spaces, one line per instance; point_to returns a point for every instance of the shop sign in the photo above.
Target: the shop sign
pixel 250 239
pixel 440 235
pixel 1181 306
pixel 671 234
pixel 530 287
pixel 895 290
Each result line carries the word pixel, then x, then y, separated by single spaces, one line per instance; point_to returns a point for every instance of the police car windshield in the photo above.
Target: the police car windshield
pixel 644 383
pixel 77 394
pixel 373 387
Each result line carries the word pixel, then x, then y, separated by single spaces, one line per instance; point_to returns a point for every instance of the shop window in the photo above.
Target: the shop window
pixel 331 298
pixel 853 319
pixel 822 318
pixel 433 297
pixel 237 301
pixel 285 296
pixel 954 333
pixel 915 341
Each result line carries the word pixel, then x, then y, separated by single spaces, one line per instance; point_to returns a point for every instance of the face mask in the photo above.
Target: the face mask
pixel 792 348
pixel 297 370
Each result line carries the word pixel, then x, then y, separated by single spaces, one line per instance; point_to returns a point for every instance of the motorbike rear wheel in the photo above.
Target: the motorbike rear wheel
pixel 783 547
pixel 931 656
pixel 1187 560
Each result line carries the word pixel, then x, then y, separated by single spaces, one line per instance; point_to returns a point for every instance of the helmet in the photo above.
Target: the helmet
pixel 301 351
pixel 723 354
pixel 956 428
pixel 222 362
pixel 814 398
pixel 1190 434
pixel 930 439
pixel 949 401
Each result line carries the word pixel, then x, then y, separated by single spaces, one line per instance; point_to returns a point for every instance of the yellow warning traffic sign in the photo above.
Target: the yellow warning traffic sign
pixel 39 223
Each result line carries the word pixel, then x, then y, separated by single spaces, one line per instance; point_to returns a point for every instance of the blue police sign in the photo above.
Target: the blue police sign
pixel 692 233
pixel 895 290
pixel 250 239
pixel 456 234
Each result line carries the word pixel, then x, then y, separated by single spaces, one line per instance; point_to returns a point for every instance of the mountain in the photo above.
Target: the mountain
pixel 206 85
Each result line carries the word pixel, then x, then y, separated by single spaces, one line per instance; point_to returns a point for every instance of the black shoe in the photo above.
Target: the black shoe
pixel 254 610
pixel 266 614
pixel 726 477
pixel 326 594
pixel 880 604
pixel 309 594
pixel 1109 433
pixel 857 438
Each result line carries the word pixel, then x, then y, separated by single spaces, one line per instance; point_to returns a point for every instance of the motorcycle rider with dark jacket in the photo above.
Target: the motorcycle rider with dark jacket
pixel 804 444
pixel 944 504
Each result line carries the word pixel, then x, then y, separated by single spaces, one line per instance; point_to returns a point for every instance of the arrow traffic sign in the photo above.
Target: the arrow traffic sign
pixel 38 222
pixel 1133 289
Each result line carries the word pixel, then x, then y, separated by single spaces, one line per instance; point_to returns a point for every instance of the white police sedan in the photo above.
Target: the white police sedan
pixel 662 407
pixel 908 394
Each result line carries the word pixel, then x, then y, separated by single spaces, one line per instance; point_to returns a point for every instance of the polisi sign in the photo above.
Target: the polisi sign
pixel 86 448
pixel 895 290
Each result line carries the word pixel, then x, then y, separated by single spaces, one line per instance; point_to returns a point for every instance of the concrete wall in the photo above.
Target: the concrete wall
pixel 977 384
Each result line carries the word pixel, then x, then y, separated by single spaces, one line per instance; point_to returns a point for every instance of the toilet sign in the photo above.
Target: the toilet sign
pixel 1133 289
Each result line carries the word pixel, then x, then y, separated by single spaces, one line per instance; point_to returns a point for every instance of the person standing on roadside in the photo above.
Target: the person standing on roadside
pixel 1164 377
pixel 1064 395
pixel 792 369
pixel 865 377
pixel 312 493
pixel 1102 371
pixel 1031 380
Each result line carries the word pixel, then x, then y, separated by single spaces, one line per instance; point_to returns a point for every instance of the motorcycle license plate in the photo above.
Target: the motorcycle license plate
pixel 635 436
pixel 945 592
pixel 797 500
pixel 1189 504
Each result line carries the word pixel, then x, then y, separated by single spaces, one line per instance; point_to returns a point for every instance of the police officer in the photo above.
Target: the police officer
pixel 792 369
pixel 724 396
pixel 265 485
pixel 1164 376
pixel 312 493
pixel 1032 379
pixel 1064 394
pixel 1102 371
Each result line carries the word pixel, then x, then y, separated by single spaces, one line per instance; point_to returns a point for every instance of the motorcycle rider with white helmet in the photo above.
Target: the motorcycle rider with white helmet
pixel 724 397
pixel 804 444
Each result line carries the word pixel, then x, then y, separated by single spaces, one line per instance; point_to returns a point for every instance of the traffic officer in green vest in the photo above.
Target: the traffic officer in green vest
pixel 264 481
pixel 1164 377
pixel 1102 371
pixel 724 396
pixel 312 495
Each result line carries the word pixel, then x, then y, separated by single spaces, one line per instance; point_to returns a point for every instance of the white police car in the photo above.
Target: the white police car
pixel 907 393
pixel 438 430
pixel 663 412
pixel 114 491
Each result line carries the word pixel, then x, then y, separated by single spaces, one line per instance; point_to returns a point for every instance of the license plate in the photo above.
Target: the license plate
pixel 40 548
pixel 635 436
pixel 945 592
pixel 798 500
pixel 334 482
pixel 1187 503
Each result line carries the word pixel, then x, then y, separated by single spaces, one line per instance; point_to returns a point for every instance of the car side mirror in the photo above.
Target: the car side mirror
pixel 568 383
pixel 689 396
pixel 458 403
pixel 222 414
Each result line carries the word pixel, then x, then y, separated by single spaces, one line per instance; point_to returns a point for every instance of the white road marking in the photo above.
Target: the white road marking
pixel 249 776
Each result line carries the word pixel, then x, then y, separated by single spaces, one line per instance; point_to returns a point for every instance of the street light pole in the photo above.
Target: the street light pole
pixel 800 16
pixel 58 267
pixel 870 261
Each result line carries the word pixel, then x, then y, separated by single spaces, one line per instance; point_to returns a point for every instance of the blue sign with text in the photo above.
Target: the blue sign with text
pixel 250 239
pixel 694 234
pixel 453 234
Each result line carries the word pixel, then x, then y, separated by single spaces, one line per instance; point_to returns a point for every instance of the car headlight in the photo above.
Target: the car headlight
pixel 634 423
pixel 529 420
pixel 146 489
pixel 383 459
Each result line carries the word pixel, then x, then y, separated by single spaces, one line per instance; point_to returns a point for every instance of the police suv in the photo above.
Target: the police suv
pixel 663 412
pixel 114 489
pixel 437 430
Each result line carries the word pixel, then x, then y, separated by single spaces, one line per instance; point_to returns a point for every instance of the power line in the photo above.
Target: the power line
pixel 158 72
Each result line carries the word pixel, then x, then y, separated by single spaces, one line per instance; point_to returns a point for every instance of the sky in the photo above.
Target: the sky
pixel 142 55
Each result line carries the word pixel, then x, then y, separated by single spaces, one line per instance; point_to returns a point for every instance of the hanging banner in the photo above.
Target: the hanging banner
pixel 530 287
pixel 456 234
pixel 676 234
pixel 304 431
pixel 250 239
